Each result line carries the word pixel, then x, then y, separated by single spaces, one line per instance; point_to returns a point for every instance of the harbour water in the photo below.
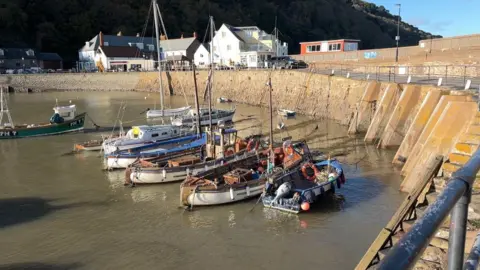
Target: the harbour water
pixel 62 211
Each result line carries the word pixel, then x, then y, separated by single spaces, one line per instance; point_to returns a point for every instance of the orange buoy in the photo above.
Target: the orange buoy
pixel 305 206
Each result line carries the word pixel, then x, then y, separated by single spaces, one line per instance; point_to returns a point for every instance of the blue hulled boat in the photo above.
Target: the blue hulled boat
pixel 296 191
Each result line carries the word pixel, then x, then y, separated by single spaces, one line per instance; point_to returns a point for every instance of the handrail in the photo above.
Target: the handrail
pixel 456 195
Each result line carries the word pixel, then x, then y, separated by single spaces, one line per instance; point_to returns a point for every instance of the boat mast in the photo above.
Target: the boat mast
pixel 271 118
pixel 155 17
pixel 196 98
pixel 211 75
pixel 4 109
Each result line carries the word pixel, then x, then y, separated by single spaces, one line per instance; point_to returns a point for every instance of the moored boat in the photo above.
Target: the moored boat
pixel 213 188
pixel 162 150
pixel 218 116
pixel 226 148
pixel 64 120
pixel 296 191
pixel 286 113
pixel 223 100
pixel 140 136
pixel 167 112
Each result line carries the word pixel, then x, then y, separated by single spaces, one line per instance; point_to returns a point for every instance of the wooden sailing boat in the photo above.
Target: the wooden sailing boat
pixel 162 112
pixel 64 120
pixel 207 116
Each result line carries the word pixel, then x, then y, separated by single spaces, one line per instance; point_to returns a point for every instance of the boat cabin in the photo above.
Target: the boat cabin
pixel 154 133
pixel 66 112
pixel 224 142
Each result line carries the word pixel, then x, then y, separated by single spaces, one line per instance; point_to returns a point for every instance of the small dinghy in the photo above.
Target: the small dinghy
pixel 223 100
pixel 92 145
pixel 286 113
pixel 296 191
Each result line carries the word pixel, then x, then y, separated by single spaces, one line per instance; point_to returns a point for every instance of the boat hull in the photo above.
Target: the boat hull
pixel 156 175
pixel 122 162
pixel 204 121
pixel 73 125
pixel 167 112
pixel 205 198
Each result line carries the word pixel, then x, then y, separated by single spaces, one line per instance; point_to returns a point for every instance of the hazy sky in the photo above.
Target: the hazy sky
pixel 441 17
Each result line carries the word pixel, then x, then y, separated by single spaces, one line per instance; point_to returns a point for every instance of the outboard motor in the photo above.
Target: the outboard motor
pixel 56 119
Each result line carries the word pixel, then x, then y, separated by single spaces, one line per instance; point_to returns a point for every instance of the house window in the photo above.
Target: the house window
pixel 243 59
pixel 201 55
pixel 318 48
pixel 229 47
pixel 224 34
pixel 252 59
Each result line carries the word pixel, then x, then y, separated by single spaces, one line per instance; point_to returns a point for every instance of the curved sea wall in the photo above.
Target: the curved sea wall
pixel 312 94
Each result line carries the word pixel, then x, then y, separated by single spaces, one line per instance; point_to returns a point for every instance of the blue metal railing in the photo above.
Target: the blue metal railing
pixel 456 195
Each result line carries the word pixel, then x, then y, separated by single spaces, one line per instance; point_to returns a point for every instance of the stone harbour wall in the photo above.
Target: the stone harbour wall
pixel 307 93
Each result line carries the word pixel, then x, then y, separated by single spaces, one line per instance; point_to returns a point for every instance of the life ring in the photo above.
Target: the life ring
pixel 229 152
pixel 313 167
pixel 250 145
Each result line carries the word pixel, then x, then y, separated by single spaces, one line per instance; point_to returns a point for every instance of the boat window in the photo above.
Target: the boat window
pixel 164 133
pixel 154 135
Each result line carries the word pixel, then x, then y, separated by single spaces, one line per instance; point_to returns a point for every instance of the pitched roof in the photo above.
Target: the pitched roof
pixel 178 44
pixel 49 57
pixel 16 53
pixel 121 51
pixel 234 30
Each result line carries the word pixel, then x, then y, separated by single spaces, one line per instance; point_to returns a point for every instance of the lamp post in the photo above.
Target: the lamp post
pixel 397 37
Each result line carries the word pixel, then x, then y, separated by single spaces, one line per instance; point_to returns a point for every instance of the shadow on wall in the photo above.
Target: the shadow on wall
pixel 40 266
pixel 21 210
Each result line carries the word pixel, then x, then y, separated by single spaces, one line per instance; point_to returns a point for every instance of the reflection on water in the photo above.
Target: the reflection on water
pixel 118 227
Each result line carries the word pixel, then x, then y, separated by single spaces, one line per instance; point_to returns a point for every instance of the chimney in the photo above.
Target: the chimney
pixel 181 36
pixel 138 34
pixel 100 35
pixel 119 34
pixel 162 37
pixel 195 34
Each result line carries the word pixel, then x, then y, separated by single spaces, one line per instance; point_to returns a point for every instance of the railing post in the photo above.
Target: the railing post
pixel 446 74
pixel 472 260
pixel 458 231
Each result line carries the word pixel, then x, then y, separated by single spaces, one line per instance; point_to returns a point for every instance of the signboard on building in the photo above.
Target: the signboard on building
pixel 370 55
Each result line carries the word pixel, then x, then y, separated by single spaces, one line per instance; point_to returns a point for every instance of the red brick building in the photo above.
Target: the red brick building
pixel 338 45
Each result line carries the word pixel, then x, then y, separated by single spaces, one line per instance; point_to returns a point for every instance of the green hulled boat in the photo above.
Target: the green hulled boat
pixel 63 120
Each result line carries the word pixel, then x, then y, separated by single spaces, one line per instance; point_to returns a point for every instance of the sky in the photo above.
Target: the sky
pixel 441 17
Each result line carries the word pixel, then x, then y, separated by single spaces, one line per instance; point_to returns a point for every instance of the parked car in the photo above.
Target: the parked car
pixel 286 62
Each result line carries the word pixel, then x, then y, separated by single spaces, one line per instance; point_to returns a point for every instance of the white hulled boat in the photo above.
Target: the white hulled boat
pixel 139 136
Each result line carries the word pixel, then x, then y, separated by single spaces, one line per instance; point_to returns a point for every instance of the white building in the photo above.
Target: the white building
pixel 249 46
pixel 117 52
pixel 202 57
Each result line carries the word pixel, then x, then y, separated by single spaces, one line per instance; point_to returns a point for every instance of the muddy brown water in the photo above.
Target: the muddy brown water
pixel 62 211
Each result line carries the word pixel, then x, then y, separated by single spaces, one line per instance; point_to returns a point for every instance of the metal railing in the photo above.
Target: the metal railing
pixel 454 76
pixel 456 195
